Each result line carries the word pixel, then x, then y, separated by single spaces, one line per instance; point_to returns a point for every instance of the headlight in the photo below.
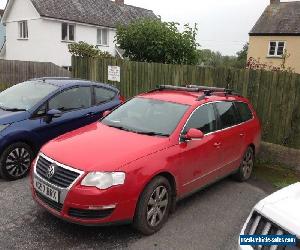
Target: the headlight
pixel 2 127
pixel 103 180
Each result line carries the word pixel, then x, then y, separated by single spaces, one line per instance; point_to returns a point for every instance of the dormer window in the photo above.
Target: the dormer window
pixel 276 48
pixel 23 30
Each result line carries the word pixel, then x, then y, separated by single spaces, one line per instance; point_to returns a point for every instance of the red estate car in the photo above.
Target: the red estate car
pixel 133 165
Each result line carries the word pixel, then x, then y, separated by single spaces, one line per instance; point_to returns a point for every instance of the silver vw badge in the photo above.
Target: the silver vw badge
pixel 51 171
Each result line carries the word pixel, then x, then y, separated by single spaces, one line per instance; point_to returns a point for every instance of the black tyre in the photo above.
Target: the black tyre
pixel 15 161
pixel 154 206
pixel 246 168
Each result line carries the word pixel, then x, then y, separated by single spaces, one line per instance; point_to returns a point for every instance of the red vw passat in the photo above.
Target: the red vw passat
pixel 157 148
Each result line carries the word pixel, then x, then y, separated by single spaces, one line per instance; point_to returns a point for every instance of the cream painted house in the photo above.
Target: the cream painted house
pixel 276 34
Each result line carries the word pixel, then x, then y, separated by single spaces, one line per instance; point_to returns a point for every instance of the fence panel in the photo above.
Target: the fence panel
pixel 12 72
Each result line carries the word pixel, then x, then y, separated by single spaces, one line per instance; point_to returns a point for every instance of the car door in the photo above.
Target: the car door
pixel 75 105
pixel 200 158
pixel 231 136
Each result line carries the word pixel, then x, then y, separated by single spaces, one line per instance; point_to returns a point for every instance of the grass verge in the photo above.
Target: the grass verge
pixel 277 175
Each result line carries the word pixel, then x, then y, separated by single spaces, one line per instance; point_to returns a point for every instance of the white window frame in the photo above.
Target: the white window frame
pixel 276 49
pixel 23 30
pixel 68 32
pixel 101 43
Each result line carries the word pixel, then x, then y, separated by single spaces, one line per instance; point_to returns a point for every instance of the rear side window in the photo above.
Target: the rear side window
pixel 244 110
pixel 204 119
pixel 228 114
pixel 71 99
pixel 103 95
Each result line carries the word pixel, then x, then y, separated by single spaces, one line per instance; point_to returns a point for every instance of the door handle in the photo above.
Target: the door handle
pixel 217 144
pixel 242 134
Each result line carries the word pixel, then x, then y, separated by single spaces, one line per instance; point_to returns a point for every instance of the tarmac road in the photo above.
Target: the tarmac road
pixel 210 219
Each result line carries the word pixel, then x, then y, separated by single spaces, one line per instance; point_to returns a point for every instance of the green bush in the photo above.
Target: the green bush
pixel 83 49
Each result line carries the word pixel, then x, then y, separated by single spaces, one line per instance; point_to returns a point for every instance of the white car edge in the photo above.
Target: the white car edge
pixel 279 213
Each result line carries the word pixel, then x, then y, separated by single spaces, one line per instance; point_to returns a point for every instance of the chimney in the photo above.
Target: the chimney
pixel 120 2
pixel 271 1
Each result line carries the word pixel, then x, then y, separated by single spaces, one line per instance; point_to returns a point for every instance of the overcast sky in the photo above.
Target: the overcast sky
pixel 223 24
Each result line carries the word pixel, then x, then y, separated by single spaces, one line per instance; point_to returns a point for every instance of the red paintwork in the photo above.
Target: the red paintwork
pixel 194 134
pixel 192 164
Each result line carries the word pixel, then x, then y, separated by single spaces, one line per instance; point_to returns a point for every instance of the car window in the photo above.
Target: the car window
pixel 142 115
pixel 244 111
pixel 25 95
pixel 203 119
pixel 103 95
pixel 228 114
pixel 41 111
pixel 71 99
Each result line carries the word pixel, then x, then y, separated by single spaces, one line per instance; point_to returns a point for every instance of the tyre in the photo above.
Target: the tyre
pixel 246 168
pixel 153 207
pixel 15 161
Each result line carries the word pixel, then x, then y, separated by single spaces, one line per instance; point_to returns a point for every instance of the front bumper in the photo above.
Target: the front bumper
pixel 86 205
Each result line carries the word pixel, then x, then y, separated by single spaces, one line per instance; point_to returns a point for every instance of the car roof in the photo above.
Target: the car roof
pixel 192 98
pixel 65 82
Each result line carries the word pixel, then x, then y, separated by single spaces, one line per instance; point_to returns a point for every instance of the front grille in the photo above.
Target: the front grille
pixel 56 206
pixel 259 225
pixel 90 214
pixel 62 177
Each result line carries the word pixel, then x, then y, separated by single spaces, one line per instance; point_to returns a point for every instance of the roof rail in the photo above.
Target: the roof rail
pixel 172 87
pixel 208 91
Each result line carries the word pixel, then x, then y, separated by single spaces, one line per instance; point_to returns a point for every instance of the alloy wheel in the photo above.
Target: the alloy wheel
pixel 157 206
pixel 247 164
pixel 18 162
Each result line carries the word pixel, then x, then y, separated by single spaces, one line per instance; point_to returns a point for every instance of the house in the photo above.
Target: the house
pixel 39 30
pixel 2 30
pixel 276 35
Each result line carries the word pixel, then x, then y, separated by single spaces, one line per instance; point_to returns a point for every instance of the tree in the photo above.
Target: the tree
pixel 242 56
pixel 151 40
pixel 210 58
pixel 83 49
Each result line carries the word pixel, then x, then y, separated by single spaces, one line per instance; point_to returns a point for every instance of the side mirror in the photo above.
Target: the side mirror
pixel 106 113
pixel 193 134
pixel 54 113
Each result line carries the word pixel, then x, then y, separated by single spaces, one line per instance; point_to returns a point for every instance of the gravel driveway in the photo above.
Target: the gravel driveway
pixel 210 219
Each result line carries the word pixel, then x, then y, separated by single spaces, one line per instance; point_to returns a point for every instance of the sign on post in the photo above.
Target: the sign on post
pixel 114 73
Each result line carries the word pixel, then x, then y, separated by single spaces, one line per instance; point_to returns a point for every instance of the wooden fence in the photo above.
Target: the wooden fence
pixel 12 72
pixel 275 96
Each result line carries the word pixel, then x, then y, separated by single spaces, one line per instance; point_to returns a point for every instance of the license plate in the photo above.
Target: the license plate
pixel 47 191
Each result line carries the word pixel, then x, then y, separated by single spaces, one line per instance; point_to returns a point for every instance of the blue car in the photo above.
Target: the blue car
pixel 36 111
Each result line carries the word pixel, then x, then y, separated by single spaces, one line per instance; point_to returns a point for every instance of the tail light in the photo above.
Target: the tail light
pixel 122 99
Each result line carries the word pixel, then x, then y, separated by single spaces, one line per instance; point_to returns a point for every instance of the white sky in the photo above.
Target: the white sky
pixel 223 24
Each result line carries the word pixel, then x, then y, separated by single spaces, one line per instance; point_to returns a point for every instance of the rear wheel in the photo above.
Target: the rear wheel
pixel 154 206
pixel 15 161
pixel 246 167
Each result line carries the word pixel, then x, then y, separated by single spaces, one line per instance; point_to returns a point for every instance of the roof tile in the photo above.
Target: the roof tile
pixel 96 12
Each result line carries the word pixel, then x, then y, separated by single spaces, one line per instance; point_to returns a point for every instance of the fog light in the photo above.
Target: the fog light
pixel 102 207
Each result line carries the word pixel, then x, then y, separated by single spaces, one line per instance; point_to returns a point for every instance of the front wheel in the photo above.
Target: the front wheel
pixel 15 161
pixel 246 168
pixel 154 206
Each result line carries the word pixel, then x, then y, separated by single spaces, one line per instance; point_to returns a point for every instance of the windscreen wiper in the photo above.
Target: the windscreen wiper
pixel 151 133
pixel 14 109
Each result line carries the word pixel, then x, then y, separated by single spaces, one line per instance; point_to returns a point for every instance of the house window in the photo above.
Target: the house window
pixel 276 48
pixel 23 30
pixel 67 32
pixel 102 37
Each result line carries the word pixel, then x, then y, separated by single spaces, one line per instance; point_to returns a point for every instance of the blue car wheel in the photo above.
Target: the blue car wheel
pixel 15 161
